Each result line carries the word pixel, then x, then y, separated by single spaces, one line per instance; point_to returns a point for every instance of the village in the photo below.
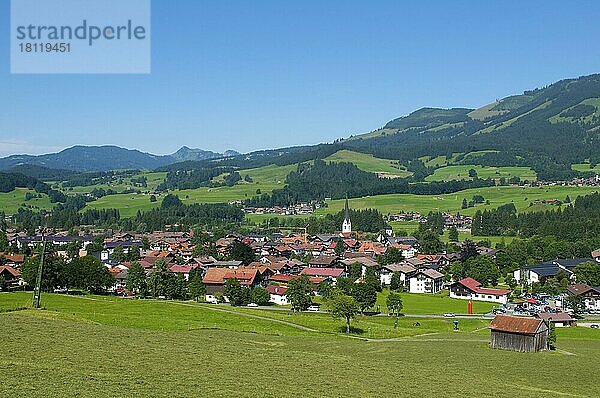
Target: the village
pixel 273 262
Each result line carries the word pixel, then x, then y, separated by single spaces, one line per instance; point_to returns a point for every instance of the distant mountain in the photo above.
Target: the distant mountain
pixel 547 129
pixel 230 153
pixel 185 154
pixel 102 158
pixel 90 158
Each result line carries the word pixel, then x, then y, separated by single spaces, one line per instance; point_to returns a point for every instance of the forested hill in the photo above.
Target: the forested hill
pixel 547 129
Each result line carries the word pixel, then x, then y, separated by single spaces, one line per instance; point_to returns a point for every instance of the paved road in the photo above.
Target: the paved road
pixel 276 308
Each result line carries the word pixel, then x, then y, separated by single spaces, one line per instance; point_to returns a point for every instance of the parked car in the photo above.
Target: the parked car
pixel 313 308
pixel 253 305
pixel 595 326
pixel 449 315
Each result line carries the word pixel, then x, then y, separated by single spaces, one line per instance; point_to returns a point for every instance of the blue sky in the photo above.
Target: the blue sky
pixel 249 75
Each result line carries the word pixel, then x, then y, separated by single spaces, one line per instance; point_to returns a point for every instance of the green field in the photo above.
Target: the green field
pixel 410 227
pixel 122 184
pixel 128 204
pixel 585 167
pixel 264 179
pixel 520 196
pixel 95 347
pixel 11 202
pixel 589 101
pixel 462 173
pixel 367 162
pixel 435 304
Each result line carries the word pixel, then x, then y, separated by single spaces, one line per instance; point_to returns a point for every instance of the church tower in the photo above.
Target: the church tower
pixel 346 225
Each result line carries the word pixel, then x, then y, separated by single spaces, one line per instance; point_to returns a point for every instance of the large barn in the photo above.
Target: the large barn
pixel 519 334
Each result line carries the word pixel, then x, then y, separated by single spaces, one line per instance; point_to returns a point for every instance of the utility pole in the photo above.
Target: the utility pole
pixel 38 283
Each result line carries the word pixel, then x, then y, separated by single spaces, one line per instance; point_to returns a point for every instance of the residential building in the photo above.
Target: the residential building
pixel 278 294
pixel 590 295
pixel 470 289
pixel 426 280
pixel 405 271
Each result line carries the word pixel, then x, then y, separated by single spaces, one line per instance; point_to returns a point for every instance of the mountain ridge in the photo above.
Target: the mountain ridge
pixel 546 128
pixel 86 158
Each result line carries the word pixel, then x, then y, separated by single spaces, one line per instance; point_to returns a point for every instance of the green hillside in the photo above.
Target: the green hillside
pixel 586 167
pixel 264 180
pixel 369 163
pixel 462 173
pixel 520 196
pixel 10 202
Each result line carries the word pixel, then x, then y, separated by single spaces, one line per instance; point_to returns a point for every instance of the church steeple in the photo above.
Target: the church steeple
pixel 347 224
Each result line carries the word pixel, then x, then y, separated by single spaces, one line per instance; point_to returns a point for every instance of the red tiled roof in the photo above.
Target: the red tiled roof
pixel 215 276
pixel 15 258
pixel 184 269
pixel 279 290
pixel 579 288
pixel 334 272
pixel 469 283
pixel 513 324
pixel 558 317
pixel 246 277
pixel 10 270
pixel 475 286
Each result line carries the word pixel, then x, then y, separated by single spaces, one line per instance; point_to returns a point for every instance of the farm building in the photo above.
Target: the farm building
pixel 470 289
pixel 560 319
pixel 519 334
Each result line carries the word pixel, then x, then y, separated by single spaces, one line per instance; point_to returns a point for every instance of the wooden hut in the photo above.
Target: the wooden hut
pixel 519 334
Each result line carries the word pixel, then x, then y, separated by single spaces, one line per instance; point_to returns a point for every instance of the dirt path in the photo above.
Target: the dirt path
pixel 264 318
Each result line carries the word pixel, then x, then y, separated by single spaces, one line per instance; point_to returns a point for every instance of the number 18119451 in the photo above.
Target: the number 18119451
pixel 45 47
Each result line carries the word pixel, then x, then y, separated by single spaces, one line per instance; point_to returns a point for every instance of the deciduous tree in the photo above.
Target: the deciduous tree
pixel 342 306
pixel 298 293
pixel 394 305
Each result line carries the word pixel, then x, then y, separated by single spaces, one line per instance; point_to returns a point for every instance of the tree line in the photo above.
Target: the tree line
pixel 323 180
pixel 576 222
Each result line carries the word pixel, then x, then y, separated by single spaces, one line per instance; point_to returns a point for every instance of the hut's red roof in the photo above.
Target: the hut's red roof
pixel 513 324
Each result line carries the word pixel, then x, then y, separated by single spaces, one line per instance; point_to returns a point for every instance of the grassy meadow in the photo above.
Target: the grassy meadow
pixel 367 162
pixel 520 196
pixel 10 202
pixel 461 172
pixel 585 167
pixel 96 347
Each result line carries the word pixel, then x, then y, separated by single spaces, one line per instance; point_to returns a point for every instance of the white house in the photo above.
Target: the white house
pixel 589 295
pixel 278 294
pixel 470 289
pixel 404 270
pixel 426 280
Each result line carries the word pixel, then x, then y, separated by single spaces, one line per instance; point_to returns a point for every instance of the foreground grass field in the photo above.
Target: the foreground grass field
pixel 98 347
